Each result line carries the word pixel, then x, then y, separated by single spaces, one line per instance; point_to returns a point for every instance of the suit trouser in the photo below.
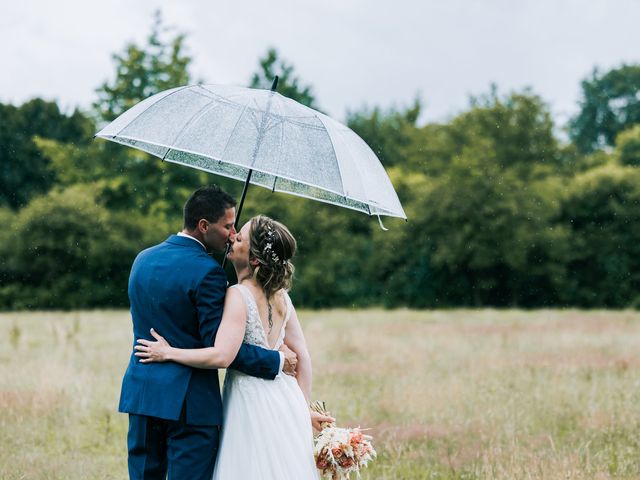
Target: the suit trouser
pixel 159 447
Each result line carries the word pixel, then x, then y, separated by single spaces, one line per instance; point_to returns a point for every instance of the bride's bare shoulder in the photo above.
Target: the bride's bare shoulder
pixel 235 298
pixel 282 300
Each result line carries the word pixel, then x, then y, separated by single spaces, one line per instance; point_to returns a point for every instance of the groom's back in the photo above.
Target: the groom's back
pixel 162 293
pixel 161 290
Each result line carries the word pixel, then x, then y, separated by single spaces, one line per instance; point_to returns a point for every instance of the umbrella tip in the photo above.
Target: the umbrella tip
pixel 274 85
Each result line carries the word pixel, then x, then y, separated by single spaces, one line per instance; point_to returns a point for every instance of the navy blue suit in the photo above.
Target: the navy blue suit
pixel 175 411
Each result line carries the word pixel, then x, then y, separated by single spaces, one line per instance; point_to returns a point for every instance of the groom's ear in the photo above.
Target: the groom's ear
pixel 202 225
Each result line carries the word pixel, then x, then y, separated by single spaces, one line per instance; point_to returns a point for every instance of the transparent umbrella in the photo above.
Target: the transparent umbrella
pixel 259 137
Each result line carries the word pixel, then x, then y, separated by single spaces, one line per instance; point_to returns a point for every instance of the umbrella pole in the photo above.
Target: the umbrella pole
pixel 238 213
pixel 244 194
pixel 274 85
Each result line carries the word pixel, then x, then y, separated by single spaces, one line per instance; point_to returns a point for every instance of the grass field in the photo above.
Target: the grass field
pixel 464 394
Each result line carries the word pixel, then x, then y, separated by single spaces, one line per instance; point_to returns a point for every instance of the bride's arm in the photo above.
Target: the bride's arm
pixel 294 339
pixel 226 345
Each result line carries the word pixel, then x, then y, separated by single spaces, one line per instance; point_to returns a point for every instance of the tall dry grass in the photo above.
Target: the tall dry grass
pixel 448 394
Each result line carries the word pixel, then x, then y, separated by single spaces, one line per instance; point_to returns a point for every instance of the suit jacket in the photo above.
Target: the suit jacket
pixel 178 289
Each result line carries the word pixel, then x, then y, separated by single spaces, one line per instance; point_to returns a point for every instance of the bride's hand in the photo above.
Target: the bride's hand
pixel 149 351
pixel 319 421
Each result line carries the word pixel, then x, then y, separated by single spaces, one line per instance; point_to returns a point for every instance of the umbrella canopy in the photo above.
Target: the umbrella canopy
pixel 260 135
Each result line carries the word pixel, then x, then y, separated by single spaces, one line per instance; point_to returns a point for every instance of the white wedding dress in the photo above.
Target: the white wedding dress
pixel 267 429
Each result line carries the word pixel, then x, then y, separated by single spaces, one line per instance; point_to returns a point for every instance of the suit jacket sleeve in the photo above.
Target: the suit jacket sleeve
pixel 251 359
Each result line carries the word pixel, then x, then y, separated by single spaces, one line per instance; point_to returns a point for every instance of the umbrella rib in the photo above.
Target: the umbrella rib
pixel 151 105
pixel 350 207
pixel 197 116
pixel 211 96
pixel 235 127
pixel 359 177
pixel 274 124
pixel 275 179
pixel 216 96
pixel 293 121
pixel 335 155
pixel 261 130
pixel 257 109
pixel 364 190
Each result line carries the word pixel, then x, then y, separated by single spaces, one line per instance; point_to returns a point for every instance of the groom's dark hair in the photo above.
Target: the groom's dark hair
pixel 209 203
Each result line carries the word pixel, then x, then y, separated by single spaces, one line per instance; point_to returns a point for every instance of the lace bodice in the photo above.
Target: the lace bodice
pixel 254 333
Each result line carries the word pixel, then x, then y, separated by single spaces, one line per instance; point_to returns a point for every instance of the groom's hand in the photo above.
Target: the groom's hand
pixel 290 360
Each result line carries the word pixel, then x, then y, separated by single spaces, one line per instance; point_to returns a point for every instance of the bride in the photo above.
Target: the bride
pixel 267 423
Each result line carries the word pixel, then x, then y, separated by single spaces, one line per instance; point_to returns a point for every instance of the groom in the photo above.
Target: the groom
pixel 175 411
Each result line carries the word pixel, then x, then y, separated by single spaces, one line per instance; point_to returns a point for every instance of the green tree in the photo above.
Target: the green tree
pixel 289 84
pixel 128 178
pixel 482 194
pixel 602 208
pixel 144 71
pixel 610 104
pixel 68 251
pixel 387 133
pixel 519 127
pixel 7 238
pixel 628 146
pixel 489 233
pixel 25 172
pixel 399 268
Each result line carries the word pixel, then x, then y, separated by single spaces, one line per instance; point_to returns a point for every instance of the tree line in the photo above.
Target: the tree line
pixel 502 210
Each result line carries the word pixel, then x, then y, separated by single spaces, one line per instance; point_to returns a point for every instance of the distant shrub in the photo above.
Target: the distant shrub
pixel 66 251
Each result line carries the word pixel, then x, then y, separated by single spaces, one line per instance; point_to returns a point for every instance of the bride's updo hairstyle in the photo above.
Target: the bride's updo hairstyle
pixel 272 245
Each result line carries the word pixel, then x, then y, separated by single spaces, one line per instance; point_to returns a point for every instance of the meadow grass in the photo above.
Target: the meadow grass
pixel 459 394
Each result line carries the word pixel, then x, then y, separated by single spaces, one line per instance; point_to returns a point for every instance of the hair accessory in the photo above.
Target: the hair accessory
pixel 268 247
pixel 268 250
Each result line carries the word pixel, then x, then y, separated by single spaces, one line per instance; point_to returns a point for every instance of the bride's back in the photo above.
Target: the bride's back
pixel 258 332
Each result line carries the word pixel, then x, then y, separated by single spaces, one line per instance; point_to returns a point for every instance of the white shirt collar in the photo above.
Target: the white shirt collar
pixel 182 234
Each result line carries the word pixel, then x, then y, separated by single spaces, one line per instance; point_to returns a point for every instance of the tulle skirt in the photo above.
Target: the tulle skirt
pixel 267 431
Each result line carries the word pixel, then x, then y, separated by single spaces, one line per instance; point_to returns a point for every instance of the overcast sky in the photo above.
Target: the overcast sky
pixel 354 53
